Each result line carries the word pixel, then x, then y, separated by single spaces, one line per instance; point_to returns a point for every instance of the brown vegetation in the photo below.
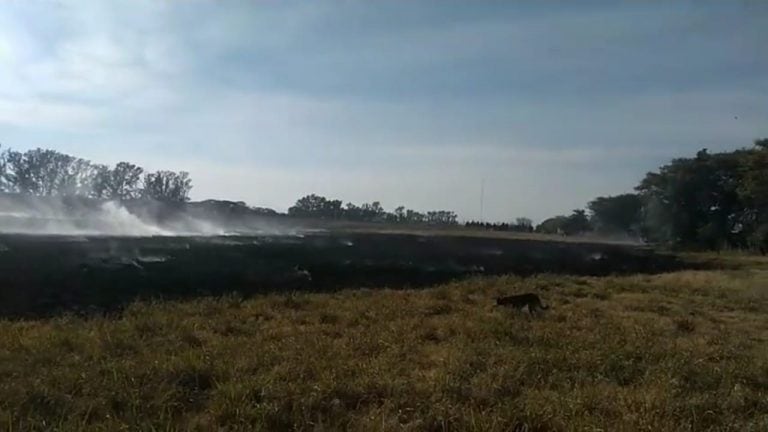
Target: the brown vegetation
pixel 677 351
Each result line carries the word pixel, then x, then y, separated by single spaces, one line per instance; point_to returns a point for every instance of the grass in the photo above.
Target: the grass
pixel 462 231
pixel 678 351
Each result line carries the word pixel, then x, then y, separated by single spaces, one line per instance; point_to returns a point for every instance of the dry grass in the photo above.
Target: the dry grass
pixel 462 231
pixel 681 351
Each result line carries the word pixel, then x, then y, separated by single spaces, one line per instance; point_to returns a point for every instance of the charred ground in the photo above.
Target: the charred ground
pixel 45 275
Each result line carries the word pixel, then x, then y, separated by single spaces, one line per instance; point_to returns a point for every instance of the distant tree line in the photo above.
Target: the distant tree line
pixel 709 201
pixel 576 223
pixel 315 206
pixel 47 173
pixel 712 200
pixel 520 225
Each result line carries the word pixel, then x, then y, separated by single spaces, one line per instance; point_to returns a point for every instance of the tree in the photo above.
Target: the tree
pixel 695 201
pixel 310 205
pixel 522 224
pixel 332 209
pixel 620 213
pixel 317 206
pixel 123 182
pixel 45 172
pixel 19 175
pixel 441 217
pixel 399 214
pixel 77 178
pixel 38 171
pixel 553 225
pixel 371 212
pixel 52 169
pixel 577 223
pixel 3 170
pixel 352 212
pixel 100 181
pixel 415 217
pixel 753 191
pixel 167 186
pixel 50 173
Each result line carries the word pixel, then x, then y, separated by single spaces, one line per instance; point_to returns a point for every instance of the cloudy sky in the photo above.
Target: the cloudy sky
pixel 412 103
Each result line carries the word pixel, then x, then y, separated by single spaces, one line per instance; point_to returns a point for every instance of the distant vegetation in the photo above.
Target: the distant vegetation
pixel 710 201
pixel 520 225
pixel 320 207
pixel 48 173
pixel 576 223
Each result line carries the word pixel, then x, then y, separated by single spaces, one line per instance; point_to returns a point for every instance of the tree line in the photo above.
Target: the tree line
pixel 42 172
pixel 709 201
pixel 575 223
pixel 520 224
pixel 315 206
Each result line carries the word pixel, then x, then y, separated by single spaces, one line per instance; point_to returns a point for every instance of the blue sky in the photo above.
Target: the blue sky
pixel 412 103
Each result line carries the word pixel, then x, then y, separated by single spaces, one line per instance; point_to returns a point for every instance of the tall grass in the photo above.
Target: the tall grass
pixel 679 351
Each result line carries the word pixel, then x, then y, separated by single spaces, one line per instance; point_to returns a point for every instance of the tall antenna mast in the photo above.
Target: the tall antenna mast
pixel 482 198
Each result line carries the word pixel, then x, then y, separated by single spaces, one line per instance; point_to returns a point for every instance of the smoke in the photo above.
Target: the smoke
pixel 110 219
pixel 115 219
pixel 78 217
pixel 616 238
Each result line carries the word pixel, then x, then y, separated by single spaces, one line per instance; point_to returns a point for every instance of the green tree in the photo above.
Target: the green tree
pixel 309 205
pixel 3 170
pixel 122 182
pixel 523 224
pixel 333 209
pixel 753 191
pixel 695 201
pixel 620 213
pixel 352 212
pixel 400 214
pixel 577 223
pixel 167 186
pixel 553 225
pixel 412 216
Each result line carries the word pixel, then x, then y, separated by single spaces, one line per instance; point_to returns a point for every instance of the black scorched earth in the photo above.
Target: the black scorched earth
pixel 44 275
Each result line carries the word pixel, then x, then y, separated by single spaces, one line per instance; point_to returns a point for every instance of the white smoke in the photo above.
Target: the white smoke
pixel 77 216
pixel 109 219
pixel 115 219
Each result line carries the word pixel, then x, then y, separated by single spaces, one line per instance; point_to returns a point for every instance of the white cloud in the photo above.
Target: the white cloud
pixel 157 83
pixel 41 113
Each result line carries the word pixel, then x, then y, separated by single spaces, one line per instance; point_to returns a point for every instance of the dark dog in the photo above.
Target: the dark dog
pixel 531 300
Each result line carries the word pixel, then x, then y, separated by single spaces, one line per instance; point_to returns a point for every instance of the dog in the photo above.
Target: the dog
pixel 529 300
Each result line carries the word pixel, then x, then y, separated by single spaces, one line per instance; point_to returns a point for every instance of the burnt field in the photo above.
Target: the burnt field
pixel 47 275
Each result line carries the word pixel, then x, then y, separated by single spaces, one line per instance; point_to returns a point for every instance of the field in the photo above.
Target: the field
pixel 680 350
pixel 48 275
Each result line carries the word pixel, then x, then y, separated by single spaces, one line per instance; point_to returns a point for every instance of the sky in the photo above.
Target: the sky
pixel 541 105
